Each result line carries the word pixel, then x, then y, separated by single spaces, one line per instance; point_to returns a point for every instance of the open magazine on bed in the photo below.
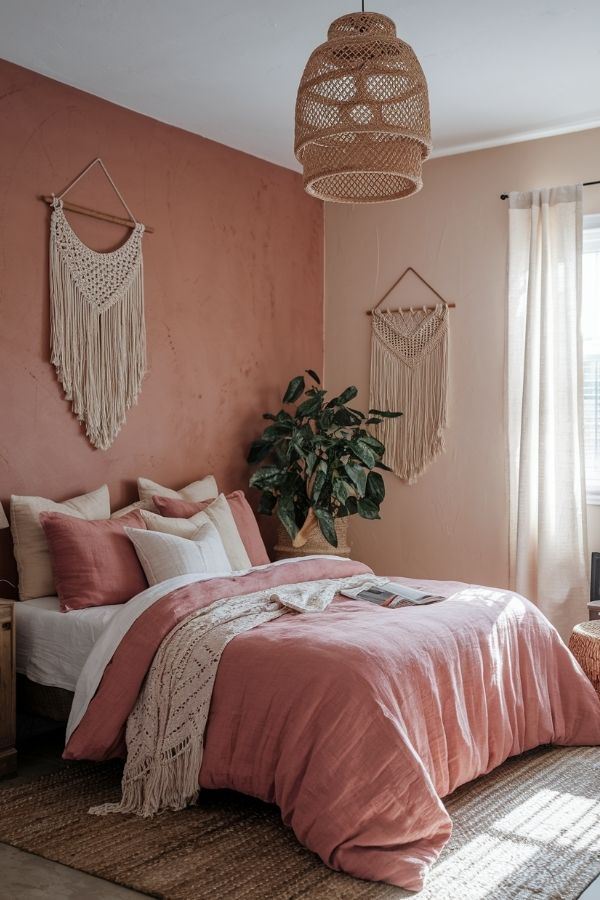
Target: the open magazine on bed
pixel 392 594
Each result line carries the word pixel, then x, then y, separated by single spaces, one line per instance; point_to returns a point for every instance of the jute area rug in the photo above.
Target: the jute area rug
pixel 531 829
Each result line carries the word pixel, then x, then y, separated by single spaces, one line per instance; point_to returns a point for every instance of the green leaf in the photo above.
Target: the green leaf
pixel 352 506
pixel 363 452
pixel 358 476
pixel 341 490
pixel 286 514
pixel 313 375
pixel 258 451
pixel 280 454
pixel 343 416
pixel 309 407
pixel 375 488
pixel 358 413
pixel 267 503
pixel 284 418
pixel 375 445
pixel 298 442
pixel 326 524
pixel 347 395
pixel 294 389
pixel 276 430
pixel 319 482
pixel 373 421
pixel 267 477
pixel 324 441
pixel 385 414
pixel 325 419
pixel 380 465
pixel 368 510
pixel 310 463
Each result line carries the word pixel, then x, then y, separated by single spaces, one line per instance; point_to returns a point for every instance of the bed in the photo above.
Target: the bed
pixel 51 651
pixel 355 721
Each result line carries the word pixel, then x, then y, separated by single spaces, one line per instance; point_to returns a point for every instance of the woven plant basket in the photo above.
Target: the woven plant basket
pixel 584 644
pixel 316 543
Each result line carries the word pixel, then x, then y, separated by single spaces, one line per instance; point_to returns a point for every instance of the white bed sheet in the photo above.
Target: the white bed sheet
pixel 52 646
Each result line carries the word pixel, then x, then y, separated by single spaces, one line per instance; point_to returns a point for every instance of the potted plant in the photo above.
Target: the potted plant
pixel 318 463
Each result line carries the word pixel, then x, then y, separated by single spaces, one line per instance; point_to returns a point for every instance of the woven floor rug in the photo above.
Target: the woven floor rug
pixel 531 829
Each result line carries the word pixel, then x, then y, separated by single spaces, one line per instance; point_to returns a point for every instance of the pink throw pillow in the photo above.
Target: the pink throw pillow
pixel 241 510
pixel 94 562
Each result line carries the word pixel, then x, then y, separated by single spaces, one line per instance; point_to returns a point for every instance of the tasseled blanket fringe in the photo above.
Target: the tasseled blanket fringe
pixel 172 783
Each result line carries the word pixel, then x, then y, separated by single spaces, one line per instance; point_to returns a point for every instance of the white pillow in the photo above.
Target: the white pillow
pixel 29 541
pixel 164 556
pixel 205 489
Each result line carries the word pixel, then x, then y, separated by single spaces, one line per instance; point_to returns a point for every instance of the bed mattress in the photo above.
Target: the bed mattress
pixel 52 646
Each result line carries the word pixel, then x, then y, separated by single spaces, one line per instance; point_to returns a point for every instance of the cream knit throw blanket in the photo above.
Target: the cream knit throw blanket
pixel 165 730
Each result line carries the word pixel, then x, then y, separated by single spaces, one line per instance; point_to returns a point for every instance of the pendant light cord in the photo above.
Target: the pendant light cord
pixel 363 5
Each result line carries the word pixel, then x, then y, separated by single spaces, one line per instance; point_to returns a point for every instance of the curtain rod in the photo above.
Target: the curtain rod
pixel 585 184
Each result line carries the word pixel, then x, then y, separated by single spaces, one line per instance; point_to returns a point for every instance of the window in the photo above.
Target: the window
pixel 591 354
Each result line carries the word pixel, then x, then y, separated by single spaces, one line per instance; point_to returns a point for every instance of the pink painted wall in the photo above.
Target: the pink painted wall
pixel 453 523
pixel 233 279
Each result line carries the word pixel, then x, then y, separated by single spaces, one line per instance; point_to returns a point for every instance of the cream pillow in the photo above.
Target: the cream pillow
pixel 164 556
pixel 219 513
pixel 184 528
pixel 29 541
pixel 221 516
pixel 205 489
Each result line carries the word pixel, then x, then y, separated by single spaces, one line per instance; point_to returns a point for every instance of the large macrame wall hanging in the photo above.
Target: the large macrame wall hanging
pixel 98 334
pixel 409 373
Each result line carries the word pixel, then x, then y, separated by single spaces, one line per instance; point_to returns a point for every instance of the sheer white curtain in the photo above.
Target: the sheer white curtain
pixel 548 534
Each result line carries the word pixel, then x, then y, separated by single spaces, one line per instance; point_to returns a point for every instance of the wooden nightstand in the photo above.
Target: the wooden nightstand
pixel 8 711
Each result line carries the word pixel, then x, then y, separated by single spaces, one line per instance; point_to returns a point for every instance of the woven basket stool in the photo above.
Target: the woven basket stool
pixel 584 644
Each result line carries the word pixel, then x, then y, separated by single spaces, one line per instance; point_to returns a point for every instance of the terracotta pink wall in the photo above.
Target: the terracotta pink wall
pixel 453 523
pixel 233 279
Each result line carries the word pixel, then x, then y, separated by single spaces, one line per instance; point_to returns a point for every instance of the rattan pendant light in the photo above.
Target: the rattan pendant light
pixel 362 114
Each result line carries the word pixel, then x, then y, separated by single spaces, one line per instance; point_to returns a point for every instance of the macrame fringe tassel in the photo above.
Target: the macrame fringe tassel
pixel 99 354
pixel 173 784
pixel 413 441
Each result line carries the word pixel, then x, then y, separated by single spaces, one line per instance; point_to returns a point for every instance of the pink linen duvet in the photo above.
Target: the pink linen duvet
pixel 357 720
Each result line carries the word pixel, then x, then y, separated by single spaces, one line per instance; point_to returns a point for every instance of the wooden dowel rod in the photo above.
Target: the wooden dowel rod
pixel 410 309
pixel 96 214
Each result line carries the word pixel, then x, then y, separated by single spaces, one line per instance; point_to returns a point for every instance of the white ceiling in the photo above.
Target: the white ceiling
pixel 229 70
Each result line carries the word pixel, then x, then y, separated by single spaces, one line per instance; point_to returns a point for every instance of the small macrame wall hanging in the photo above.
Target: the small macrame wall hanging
pixel 409 373
pixel 98 334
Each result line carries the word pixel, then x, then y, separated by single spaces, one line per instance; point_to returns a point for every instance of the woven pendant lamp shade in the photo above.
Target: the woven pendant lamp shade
pixel 362 114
